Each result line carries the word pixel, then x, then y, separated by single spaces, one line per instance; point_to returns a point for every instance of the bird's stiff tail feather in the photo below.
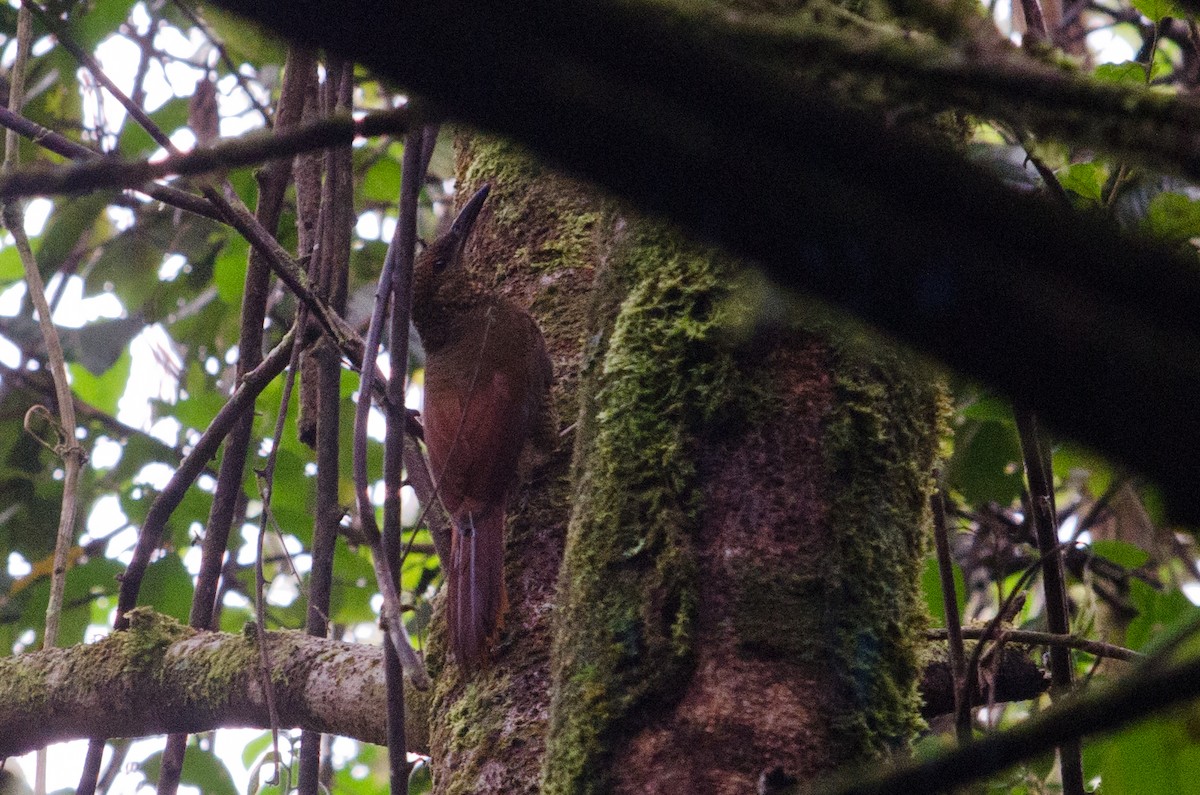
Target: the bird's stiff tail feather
pixel 475 596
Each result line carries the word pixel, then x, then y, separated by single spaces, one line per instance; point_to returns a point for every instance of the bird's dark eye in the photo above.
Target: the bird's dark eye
pixel 439 265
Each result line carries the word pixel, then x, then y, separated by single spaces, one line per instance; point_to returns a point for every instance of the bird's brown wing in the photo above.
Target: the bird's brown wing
pixel 474 438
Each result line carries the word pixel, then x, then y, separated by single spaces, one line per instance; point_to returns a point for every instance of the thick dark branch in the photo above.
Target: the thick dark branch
pixel 61 145
pixel 1092 330
pixel 1100 710
pixel 987 77
pixel 251 149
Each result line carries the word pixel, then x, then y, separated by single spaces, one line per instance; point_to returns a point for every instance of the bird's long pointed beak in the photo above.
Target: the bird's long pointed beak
pixel 461 228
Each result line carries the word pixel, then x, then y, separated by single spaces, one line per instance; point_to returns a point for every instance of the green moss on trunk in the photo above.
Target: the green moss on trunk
pixel 628 592
pixel 881 439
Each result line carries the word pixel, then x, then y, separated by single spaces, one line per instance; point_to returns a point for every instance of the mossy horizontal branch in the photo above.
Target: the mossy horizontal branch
pixel 161 677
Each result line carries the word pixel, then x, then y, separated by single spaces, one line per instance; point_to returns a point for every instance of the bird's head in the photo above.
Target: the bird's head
pixel 441 283
pixel 446 253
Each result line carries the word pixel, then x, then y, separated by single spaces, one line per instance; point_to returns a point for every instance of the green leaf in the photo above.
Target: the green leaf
pixel 10 265
pixel 128 266
pixel 244 39
pixel 101 21
pixel 201 769
pixel 102 391
pixel 1137 761
pixel 256 748
pixel 366 259
pixel 98 345
pixel 230 271
pixel 1173 217
pixel 350 779
pixel 1129 72
pixel 931 585
pixel 420 780
pixel 1158 613
pixel 246 186
pixel 1158 10
pixel 203 400
pixel 991 408
pixel 76 611
pixel 1070 460
pixel 168 587
pixel 193 509
pixel 136 142
pixel 71 220
pixel 353 586
pixel 1084 179
pixel 1154 756
pixel 1121 553
pixel 420 570
pixel 382 181
pixel 985 466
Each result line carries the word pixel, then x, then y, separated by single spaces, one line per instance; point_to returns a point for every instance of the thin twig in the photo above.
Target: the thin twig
pixel 391 601
pixel 1041 497
pixel 1049 178
pixel 311 217
pixel 320 410
pixel 433 513
pixel 223 54
pixel 228 202
pixel 67 448
pixel 116 763
pixel 1093 647
pixel 1143 693
pixel 1008 607
pixel 266 489
pixel 958 670
pixel 229 493
pixel 61 145
pixel 401 249
pixel 71 453
pixel 273 181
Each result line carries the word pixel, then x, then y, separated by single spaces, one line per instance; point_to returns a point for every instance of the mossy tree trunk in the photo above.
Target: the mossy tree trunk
pixel 540 236
pixel 715 579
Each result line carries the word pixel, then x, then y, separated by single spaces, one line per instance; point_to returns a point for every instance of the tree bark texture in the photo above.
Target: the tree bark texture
pixel 743 515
